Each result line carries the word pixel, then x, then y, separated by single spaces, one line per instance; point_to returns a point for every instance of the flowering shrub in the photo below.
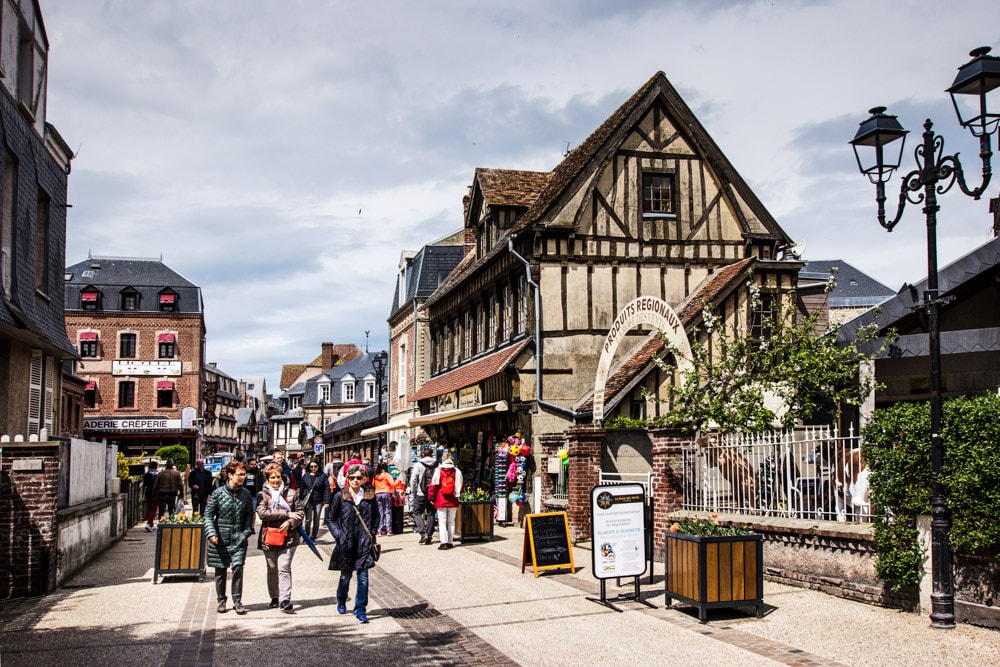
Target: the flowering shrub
pixel 706 528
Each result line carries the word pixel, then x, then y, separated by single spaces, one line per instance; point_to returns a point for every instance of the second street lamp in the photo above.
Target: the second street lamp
pixel 934 175
pixel 379 362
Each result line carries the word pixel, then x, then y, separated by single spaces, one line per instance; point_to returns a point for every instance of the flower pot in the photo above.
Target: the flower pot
pixel 180 549
pixel 474 520
pixel 714 572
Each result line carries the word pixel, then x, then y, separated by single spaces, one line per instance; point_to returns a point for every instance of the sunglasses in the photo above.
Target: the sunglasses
pixel 356 477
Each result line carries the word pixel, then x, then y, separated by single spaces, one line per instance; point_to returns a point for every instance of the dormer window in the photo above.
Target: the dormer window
pixel 348 390
pixel 90 299
pixel 324 392
pixel 168 302
pixel 129 299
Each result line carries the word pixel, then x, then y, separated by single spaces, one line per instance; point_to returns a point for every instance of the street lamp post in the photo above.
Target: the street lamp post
pixel 935 174
pixel 379 362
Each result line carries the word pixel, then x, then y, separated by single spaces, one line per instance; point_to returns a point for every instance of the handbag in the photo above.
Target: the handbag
pixel 274 537
pixel 375 549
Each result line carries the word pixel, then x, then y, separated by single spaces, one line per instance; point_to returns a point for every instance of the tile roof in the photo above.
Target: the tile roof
pixel 290 372
pixel 511 187
pixel 638 360
pixel 470 373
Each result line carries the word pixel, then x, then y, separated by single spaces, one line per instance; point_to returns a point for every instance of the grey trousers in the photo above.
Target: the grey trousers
pixel 220 583
pixel 279 572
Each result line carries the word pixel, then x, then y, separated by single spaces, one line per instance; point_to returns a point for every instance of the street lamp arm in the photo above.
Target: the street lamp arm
pixel 952 163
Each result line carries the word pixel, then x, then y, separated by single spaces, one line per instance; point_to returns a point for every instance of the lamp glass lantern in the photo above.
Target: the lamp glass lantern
pixel 878 133
pixel 976 80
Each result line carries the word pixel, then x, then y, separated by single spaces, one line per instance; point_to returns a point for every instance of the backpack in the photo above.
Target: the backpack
pixel 425 479
pixel 447 482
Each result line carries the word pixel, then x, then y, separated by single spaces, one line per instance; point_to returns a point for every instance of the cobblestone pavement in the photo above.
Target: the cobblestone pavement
pixel 467 606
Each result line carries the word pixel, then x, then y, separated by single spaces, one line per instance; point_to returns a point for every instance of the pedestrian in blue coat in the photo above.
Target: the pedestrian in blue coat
pixel 353 520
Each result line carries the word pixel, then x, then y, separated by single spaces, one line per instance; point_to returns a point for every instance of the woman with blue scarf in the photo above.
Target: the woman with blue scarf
pixel 280 512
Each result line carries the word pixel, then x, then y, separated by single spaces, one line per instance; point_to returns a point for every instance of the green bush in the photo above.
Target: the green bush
pixel 621 421
pixel 898 452
pixel 176 453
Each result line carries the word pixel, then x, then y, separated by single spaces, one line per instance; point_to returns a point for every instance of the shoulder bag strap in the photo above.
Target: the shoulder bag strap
pixel 361 519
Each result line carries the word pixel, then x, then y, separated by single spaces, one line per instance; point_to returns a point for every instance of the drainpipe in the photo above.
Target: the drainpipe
pixel 538 335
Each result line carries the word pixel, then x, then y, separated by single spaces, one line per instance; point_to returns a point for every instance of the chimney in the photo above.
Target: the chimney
pixel 995 210
pixel 327 362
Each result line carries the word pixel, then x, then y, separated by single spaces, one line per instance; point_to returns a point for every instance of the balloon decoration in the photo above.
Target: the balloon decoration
pixel 511 469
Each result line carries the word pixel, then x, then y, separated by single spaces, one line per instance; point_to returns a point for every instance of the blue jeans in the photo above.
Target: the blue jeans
pixel 361 597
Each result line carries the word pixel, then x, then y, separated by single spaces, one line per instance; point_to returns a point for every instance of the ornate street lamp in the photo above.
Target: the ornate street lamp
pixel 379 362
pixel 935 174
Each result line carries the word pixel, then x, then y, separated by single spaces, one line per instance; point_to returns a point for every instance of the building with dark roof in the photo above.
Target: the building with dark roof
pixel 34 170
pixel 853 291
pixel 139 328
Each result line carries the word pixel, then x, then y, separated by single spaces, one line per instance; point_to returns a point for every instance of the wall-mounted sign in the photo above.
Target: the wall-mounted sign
pixel 470 396
pixel 444 402
pixel 130 423
pixel 169 368
pixel 211 396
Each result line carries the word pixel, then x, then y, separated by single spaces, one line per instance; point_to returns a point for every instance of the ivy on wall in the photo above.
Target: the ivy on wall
pixel 896 447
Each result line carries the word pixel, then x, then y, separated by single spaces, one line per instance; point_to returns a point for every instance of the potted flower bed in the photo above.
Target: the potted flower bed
pixel 713 566
pixel 475 515
pixel 180 547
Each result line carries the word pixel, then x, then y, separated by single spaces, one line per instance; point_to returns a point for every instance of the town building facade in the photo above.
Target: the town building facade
pixel 221 401
pixel 34 170
pixel 139 328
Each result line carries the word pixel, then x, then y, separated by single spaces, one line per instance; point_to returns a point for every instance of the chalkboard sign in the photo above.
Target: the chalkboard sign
pixel 546 542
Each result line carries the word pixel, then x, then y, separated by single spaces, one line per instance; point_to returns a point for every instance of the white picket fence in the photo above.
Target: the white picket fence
pixel 812 473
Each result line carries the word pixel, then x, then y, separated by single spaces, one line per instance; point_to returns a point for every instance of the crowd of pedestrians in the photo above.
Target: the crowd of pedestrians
pixel 291 501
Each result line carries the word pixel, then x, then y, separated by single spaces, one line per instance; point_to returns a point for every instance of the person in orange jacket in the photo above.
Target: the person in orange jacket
pixel 384 484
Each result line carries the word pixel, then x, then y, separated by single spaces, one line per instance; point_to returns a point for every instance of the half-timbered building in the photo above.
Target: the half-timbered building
pixel 647 205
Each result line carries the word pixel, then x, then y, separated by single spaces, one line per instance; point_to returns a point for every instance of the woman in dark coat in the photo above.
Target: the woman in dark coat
pixel 228 516
pixel 348 509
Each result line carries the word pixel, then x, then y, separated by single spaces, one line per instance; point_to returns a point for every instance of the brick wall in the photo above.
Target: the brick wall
pixel 28 560
pixel 584 446
pixel 668 490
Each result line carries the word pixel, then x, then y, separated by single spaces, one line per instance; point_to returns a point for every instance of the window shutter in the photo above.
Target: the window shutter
pixel 50 383
pixel 35 393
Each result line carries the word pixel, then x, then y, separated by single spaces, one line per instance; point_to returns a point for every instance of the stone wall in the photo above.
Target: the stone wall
pixel 86 530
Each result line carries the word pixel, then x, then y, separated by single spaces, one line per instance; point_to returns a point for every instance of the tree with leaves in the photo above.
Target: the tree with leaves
pixel 737 376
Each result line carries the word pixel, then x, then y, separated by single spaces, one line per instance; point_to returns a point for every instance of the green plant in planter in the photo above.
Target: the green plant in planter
pixel 474 495
pixel 623 422
pixel 707 528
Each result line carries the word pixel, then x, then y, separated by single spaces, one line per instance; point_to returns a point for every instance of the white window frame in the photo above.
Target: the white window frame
pixel 401 365
pixel 369 391
pixel 324 392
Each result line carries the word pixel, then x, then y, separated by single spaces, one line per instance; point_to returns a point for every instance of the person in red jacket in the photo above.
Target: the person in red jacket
pixel 444 490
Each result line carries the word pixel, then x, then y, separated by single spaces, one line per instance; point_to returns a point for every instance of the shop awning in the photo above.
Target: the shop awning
pixel 164 385
pixel 168 298
pixel 88 296
pixel 391 426
pixel 458 413
pixel 90 386
pixel 165 338
pixel 88 335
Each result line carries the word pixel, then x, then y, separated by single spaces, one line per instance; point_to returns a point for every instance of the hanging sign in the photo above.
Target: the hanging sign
pixel 546 542
pixel 618 530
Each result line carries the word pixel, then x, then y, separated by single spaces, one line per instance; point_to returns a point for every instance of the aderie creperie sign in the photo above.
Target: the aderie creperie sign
pixel 130 424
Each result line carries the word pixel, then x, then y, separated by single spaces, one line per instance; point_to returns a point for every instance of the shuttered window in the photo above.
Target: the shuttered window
pixel 35 392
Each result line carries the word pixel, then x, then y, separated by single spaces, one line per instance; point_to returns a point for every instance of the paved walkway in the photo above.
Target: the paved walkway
pixel 467 606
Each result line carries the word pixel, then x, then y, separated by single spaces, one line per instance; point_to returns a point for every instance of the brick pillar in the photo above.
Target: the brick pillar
pixel 29 484
pixel 585 446
pixel 668 475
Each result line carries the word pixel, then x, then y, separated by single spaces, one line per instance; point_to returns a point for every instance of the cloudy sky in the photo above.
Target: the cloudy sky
pixel 282 154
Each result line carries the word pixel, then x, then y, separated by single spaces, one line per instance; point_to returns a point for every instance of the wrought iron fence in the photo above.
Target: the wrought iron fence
pixel 813 473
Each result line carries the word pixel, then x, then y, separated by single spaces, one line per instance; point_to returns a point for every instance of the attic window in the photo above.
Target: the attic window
pixel 168 302
pixel 658 195
pixel 90 300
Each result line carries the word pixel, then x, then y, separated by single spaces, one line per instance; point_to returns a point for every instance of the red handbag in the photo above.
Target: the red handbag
pixel 274 537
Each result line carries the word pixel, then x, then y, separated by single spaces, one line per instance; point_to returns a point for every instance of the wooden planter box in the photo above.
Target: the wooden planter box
pixel 180 549
pixel 474 521
pixel 714 572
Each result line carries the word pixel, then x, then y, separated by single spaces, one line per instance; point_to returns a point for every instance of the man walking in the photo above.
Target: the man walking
pixel 423 509
pixel 200 482
pixel 166 487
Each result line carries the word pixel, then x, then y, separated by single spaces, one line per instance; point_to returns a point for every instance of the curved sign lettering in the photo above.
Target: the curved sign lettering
pixel 643 310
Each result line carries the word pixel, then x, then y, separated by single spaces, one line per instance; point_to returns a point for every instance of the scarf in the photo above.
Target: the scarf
pixel 278 501
pixel 358 498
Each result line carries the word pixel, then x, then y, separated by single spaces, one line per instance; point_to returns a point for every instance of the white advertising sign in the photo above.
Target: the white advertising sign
pixel 168 368
pixel 618 530
pixel 130 423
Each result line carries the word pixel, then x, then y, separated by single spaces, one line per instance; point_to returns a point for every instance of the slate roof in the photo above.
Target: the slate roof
pixel 638 360
pixel 149 277
pixel 364 417
pixel 470 373
pixel 854 288
pixel 428 269
pixel 904 310
pixel 358 368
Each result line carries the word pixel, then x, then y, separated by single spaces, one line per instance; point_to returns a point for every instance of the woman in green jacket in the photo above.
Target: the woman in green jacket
pixel 228 517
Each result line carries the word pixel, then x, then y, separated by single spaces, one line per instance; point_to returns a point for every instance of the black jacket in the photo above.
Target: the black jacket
pixel 353 542
pixel 319 486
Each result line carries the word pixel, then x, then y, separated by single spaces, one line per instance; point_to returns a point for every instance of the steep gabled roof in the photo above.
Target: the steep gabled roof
pixel 290 373
pixel 635 364
pixel 511 187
